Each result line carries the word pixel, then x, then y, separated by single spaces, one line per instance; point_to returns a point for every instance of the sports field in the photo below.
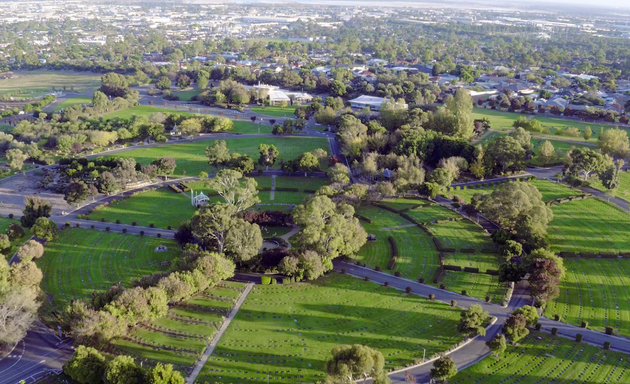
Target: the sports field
pixel 288 111
pixel 81 261
pixel 417 255
pixel 190 157
pixel 286 332
pixel 73 101
pixel 590 225
pixel 181 336
pixel 541 358
pixel 39 82
pixel 594 290
pixel 548 189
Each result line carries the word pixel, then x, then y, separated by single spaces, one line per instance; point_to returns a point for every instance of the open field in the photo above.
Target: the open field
pixel 589 225
pixel 42 80
pixel 594 290
pixel 417 255
pixel 181 336
pixel 288 331
pixel 477 285
pixel 541 358
pixel 73 101
pixel 500 120
pixel 187 95
pixel 550 190
pixel 288 111
pixel 81 261
pixel 190 157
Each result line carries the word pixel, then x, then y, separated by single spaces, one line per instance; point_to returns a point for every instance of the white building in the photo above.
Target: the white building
pixel 373 102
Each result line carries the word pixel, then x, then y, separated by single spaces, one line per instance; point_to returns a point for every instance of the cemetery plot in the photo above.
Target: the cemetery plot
pixel 624 185
pixel 81 261
pixel 190 157
pixel 477 285
pixel 589 226
pixel 181 336
pixel 402 204
pixel 550 190
pixel 417 256
pixel 284 333
pixel 429 212
pixel 541 358
pixel 596 291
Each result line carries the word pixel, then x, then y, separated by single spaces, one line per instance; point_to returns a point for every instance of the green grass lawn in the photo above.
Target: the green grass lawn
pixel 624 185
pixel 143 110
pixel 73 101
pixel 550 190
pixel 417 255
pixel 81 261
pixel 430 212
pixel 288 331
pixel 6 128
pixel 187 95
pixel 42 80
pixel 477 285
pixel 191 158
pixel 500 120
pixel 400 204
pixel 4 225
pixel 185 331
pixel 589 225
pixel 288 111
pixel 541 358
pixel 594 290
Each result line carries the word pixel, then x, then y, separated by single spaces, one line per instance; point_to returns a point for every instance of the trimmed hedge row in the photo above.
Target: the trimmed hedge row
pixel 363 218
pixel 468 250
pixel 385 207
pixel 287 189
pixel 593 255
pixel 184 187
pixel 394 258
pixel 175 188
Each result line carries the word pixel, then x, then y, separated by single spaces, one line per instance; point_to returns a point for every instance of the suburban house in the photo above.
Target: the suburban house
pixel 276 95
pixel 369 101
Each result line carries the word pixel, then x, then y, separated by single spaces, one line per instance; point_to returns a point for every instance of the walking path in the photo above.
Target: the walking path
pixel 217 336
pixel 398 227
pixel 273 188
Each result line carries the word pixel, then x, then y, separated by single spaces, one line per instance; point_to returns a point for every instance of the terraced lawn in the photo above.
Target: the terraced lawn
pixel 181 336
pixel 589 225
pixel 595 290
pixel 400 204
pixel 477 285
pixel 284 333
pixel 190 157
pixel 550 190
pixel 417 255
pixel 81 261
pixel 431 212
pixel 541 358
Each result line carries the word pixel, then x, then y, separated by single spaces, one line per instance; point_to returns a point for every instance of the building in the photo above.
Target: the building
pixel 373 102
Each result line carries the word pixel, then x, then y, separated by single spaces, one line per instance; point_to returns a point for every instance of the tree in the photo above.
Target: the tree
pixel 512 202
pixel 30 250
pixel 338 173
pixel 163 83
pixel 546 152
pixel 506 152
pixel 511 272
pixel 203 78
pixel 87 365
pixel 350 362
pixel 190 127
pixel 328 229
pixel 544 279
pixel 497 345
pixel 217 153
pixel 338 88
pixel 588 132
pixel 165 165
pixel 542 253
pixel 183 81
pixel 515 327
pixel 441 176
pixel 610 176
pixel 511 249
pixel 238 191
pixel 211 223
pixel 123 370
pixel 44 229
pixel 18 310
pixel 530 314
pixel 34 208
pixel 15 159
pixel 454 164
pixel 308 162
pixel 15 231
pixel 5 244
pixel 585 161
pixel 268 155
pixel 443 368
pixel 77 192
pixel 472 320
pixel 243 240
pixel 614 142
pixel 107 183
pixel 164 374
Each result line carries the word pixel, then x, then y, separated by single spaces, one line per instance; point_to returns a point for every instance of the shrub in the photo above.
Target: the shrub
pixel 554 331
pixel 124 230
pixel 343 271
pixel 453 303
pixel 397 273
pixel 442 286
pixel 77 225
pixel 377 268
pixel 92 226
pixel 421 280
pixel 408 289
pixel 386 284
pixel 103 220
pixel 67 224
pixel 366 278
pixel 152 225
pixel 286 280
pixel 10 215
pixel 606 344
pixel 159 235
pixel 464 292
pixel 556 317
pixel 578 337
pixel 134 223
pixel 488 299
pixel 584 324
pixel 107 229
pixel 609 330
pixel 169 228
pixel 117 221
pixel 141 233
pixel 274 281
pixel 538 326
pixel 265 280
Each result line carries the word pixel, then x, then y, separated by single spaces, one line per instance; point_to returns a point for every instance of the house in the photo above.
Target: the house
pixel 373 102
pixel 301 97
pixel 276 97
pixel 556 102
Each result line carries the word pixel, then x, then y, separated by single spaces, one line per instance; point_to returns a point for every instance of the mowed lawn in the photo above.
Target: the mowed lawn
pixel 594 290
pixel 288 111
pixel 590 225
pixel 37 80
pixel 190 157
pixel 73 101
pixel 477 285
pixel 187 95
pixel 548 189
pixel 286 332
pixel 185 331
pixel 417 255
pixel 81 261
pixel 541 358
pixel 624 185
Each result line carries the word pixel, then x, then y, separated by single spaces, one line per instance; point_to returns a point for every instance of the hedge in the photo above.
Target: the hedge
pixel 407 217
pixel 287 189
pixel 438 274
pixel 468 250
pixel 452 268
pixel 175 188
pixel 385 207
pixel 363 218
pixel 489 250
pixel 265 280
pixel 492 272
pixel 471 269
pixel 394 258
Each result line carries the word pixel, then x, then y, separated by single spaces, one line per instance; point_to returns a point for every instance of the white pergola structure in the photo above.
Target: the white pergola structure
pixel 198 199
